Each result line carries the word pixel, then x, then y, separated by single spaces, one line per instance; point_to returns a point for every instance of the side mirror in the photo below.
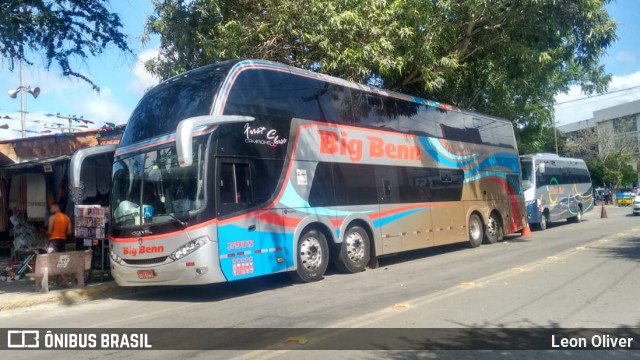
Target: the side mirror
pixel 541 168
pixel 184 133
pixel 75 166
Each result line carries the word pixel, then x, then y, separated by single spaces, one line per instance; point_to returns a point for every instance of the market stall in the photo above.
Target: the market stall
pixel 90 186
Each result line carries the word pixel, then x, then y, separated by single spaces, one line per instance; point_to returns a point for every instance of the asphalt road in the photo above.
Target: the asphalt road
pixel 568 276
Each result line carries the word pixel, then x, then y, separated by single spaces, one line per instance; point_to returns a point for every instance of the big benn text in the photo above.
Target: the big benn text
pixel 332 143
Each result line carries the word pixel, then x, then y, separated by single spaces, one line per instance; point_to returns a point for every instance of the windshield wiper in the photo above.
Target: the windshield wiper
pixel 181 222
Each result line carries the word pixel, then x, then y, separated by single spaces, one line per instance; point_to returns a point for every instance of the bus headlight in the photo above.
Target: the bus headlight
pixel 115 258
pixel 189 247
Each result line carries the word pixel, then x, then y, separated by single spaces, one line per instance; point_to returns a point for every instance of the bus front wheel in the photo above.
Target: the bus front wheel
pixel 542 225
pixel 354 251
pixel 475 230
pixel 312 256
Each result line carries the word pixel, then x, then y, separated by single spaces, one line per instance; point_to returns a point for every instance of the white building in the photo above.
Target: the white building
pixel 617 124
pixel 619 121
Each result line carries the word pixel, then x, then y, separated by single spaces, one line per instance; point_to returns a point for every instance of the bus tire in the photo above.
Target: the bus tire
pixel 578 217
pixel 493 232
pixel 312 257
pixel 354 251
pixel 475 231
pixel 542 225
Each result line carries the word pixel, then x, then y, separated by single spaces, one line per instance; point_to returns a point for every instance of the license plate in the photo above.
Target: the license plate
pixel 146 274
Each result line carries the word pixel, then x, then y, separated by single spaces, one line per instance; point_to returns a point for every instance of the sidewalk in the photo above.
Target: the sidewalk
pixel 15 294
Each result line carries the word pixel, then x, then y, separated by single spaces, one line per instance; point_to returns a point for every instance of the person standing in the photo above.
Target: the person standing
pixel 59 228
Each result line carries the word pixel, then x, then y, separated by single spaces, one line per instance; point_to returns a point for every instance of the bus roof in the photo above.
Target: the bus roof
pixel 233 65
pixel 548 156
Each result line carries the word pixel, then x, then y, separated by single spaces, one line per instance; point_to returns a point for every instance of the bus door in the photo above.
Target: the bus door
pixel 391 227
pixel 554 191
pixel 448 213
pixel 238 231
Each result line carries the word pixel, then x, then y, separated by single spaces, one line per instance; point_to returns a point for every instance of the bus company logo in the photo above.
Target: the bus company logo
pixel 141 249
pixel 23 339
pixel 141 233
pixel 332 143
pixel 262 136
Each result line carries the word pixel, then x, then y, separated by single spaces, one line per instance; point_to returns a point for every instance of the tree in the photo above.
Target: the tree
pixel 59 30
pixel 505 58
pixel 608 150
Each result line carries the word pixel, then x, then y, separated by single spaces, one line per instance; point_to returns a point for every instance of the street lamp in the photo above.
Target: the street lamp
pixel 555 134
pixel 14 93
pixel 21 89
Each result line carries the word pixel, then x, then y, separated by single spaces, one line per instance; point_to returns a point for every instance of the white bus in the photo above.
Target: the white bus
pixel 555 188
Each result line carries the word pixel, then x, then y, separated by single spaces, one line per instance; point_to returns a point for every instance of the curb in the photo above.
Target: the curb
pixel 66 297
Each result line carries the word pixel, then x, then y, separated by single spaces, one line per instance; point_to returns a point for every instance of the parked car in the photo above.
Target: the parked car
pixel 598 194
pixel 636 205
pixel 625 197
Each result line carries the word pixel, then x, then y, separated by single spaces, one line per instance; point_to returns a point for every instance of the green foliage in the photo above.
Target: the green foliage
pixel 609 154
pixel 59 30
pixel 614 171
pixel 505 58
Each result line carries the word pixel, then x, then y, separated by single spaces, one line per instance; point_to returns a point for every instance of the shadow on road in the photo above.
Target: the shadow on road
pixel 223 291
pixel 211 292
pixel 497 341
pixel 623 249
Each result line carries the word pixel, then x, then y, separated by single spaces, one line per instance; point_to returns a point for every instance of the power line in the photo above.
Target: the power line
pixel 598 95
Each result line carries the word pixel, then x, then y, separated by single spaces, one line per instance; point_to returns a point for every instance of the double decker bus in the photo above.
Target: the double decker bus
pixel 247 168
pixel 555 188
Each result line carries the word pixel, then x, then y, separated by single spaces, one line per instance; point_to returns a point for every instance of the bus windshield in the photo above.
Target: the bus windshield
pixel 164 106
pixel 150 187
pixel 527 174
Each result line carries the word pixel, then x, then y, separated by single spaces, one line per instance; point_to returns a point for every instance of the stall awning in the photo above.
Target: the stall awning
pixel 35 163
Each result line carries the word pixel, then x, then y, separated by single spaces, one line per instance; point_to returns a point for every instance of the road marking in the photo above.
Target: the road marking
pixel 387 312
pixel 402 305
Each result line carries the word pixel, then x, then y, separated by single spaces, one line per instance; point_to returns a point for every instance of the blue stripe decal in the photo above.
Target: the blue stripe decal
pixel 432 148
pixel 389 219
pixel 251 264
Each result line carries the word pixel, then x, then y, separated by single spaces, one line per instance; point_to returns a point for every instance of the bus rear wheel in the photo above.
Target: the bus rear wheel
pixel 493 232
pixel 577 218
pixel 354 252
pixel 475 231
pixel 312 256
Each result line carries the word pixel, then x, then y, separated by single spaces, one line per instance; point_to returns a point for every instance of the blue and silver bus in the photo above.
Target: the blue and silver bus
pixel 247 168
pixel 555 188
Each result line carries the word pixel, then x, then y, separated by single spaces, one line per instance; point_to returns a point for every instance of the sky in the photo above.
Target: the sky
pixel 622 62
pixel 122 79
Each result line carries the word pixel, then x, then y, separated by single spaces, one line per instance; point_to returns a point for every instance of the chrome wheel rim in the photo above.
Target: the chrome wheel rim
pixel 474 229
pixel 311 253
pixel 355 247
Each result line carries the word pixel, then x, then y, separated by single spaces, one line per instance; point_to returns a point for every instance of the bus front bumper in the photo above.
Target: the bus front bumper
pixel 199 267
pixel 533 214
